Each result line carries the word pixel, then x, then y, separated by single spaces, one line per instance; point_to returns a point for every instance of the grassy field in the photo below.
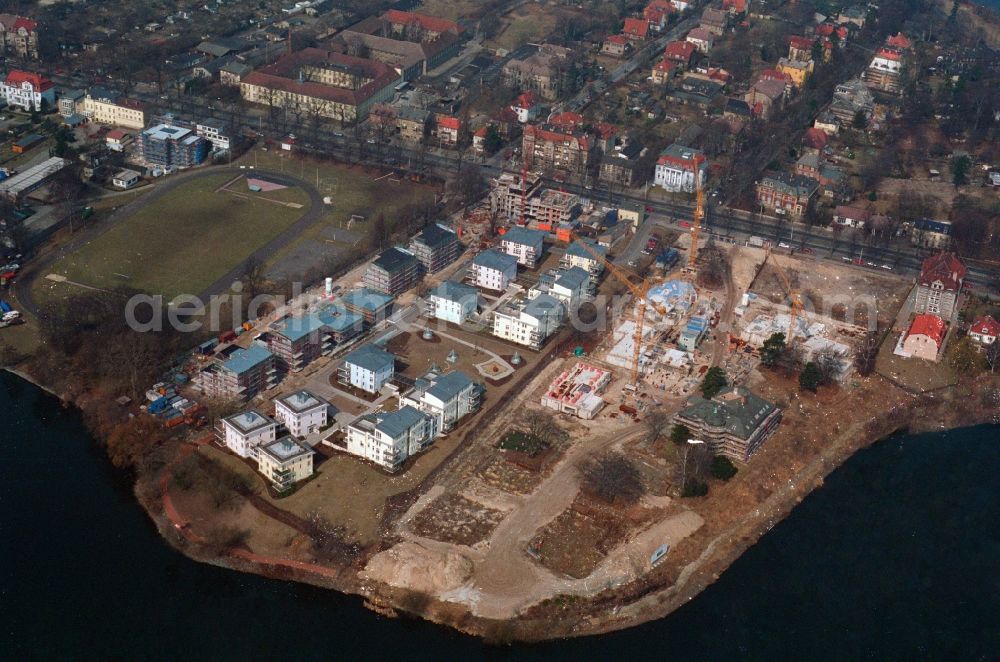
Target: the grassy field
pixel 352 191
pixel 185 240
pixel 530 23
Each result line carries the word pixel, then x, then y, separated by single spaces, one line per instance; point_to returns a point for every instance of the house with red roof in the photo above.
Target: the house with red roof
pixel 657 13
pixel 679 52
pixel 447 130
pixel 985 330
pixel 117 140
pixel 939 284
pixel 526 106
pixel 418 27
pixel 925 337
pixel 800 48
pixel 616 45
pixel 663 71
pixel 636 29
pixel 19 36
pixel 735 7
pixel 28 90
pixel 561 143
pixel 900 41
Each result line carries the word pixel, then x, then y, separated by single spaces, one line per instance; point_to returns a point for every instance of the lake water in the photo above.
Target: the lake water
pixel 897 557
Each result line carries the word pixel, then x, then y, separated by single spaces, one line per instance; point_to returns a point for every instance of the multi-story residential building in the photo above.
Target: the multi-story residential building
pixel 621 166
pixel 883 73
pixel 297 341
pixel 701 39
pixel 850 98
pixel 452 302
pixel 435 247
pixel 939 284
pixel 447 130
pixel 930 233
pixel 302 412
pixel 239 374
pixel 985 330
pixel 679 52
pixel 715 21
pixel 172 146
pixel 569 286
pixel 447 398
pixel 368 368
pixel 764 96
pixel 530 323
pixel 786 194
pixel 70 102
pixel 285 462
pixel 658 12
pixel 679 168
pixel 579 256
pixel 413 44
pixel 493 270
pixel 233 73
pixel 243 433
pixel 339 324
pixel 394 271
pixel 28 90
pixel 636 29
pixel 19 36
pixel 372 306
pixel 524 244
pixel 389 438
pixel 412 123
pixel 526 106
pixel 616 45
pixel 105 106
pixel 734 423
pixel 925 337
pixel 322 83
pixel 562 148
pixel 214 131
pixel 797 70
pixel 542 71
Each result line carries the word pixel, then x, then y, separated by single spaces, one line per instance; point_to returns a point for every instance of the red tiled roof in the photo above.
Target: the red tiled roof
pixel 636 27
pixel 815 138
pixel 679 51
pixel 899 40
pixel 525 100
pixel 543 134
pixel 931 326
pixel 665 66
pixel 429 23
pixel 944 267
pixel 566 119
pixel 738 6
pixel 452 123
pixel 657 11
pixel 480 132
pixel 16 77
pixel 617 39
pixel 116 134
pixel 986 326
pixel 800 43
pixel 605 130
pixel 888 54
pixel 774 74
pixel 13 22
pixel 282 75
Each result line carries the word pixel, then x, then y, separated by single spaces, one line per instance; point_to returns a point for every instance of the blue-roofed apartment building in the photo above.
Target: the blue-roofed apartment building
pixel 452 302
pixel 239 374
pixel 446 397
pixel 435 247
pixel 525 244
pixel 298 341
pixel 389 438
pixel 242 433
pixel 493 270
pixel 368 368
pixel 530 323
pixel 587 255
pixel 570 286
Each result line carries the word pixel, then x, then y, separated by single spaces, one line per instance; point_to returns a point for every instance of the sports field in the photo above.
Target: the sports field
pixel 185 240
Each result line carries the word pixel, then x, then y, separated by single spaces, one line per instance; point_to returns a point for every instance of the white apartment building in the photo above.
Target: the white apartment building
pixel 447 398
pixel 302 413
pixel 368 368
pixel 243 433
pixel 389 438
pixel 577 255
pixel 285 462
pixel 493 270
pixel 531 323
pixel 27 90
pixel 525 244
pixel 452 302
pixel 677 167
pixel 114 110
pixel 568 286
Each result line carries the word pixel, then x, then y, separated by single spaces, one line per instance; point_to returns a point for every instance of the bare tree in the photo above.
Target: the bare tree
pixel 657 423
pixel 867 353
pixel 613 479
pixel 543 425
pixel 993 355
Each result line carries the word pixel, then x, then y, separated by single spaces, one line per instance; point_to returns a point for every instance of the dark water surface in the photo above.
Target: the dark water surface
pixel 895 558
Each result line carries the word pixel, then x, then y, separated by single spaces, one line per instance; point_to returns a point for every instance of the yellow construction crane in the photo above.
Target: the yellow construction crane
pixel 638 290
pixel 795 300
pixel 699 212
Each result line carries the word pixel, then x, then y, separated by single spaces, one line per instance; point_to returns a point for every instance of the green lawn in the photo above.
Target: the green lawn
pixel 184 241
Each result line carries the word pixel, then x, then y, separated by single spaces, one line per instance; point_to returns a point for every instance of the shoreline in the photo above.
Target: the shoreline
pixel 654 603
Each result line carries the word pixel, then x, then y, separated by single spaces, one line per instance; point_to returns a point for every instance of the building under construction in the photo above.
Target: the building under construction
pixel 575 391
